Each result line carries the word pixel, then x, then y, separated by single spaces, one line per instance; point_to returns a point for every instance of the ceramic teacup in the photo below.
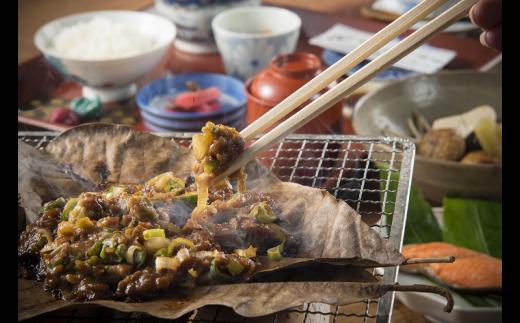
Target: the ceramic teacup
pixel 248 38
pixel 193 21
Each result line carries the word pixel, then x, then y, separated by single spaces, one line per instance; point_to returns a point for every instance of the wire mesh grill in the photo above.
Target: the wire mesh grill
pixel 371 174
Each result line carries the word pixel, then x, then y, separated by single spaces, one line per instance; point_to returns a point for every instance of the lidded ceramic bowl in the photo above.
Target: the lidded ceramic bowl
pixel 193 21
pixel 283 76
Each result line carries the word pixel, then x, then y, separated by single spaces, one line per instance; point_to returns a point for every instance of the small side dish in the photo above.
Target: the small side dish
pixel 474 137
pixel 471 271
pixel 196 99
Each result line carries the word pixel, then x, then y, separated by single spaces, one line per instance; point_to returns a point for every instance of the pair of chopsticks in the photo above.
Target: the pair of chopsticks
pixel 350 84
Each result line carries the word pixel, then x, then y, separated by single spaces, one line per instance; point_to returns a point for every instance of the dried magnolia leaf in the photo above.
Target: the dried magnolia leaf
pixel 250 300
pixel 110 153
pixel 41 178
pixel 326 227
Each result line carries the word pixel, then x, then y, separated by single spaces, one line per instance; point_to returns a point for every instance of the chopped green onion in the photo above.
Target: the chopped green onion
pixel 278 231
pixel 215 275
pixel 263 213
pixel 108 253
pixel 95 249
pixel 84 223
pixel 104 251
pixel 156 243
pixel 179 242
pixel 71 204
pixel 121 250
pixel 161 253
pixel 135 255
pixel 139 257
pixel 65 228
pixel 153 233
pixel 246 253
pixel 57 262
pixel 166 182
pixel 234 267
pixel 92 260
pixel 275 253
pixel 55 204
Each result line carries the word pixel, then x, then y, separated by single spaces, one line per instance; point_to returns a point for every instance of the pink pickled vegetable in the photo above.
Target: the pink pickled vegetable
pixel 191 100
pixel 65 116
pixel 208 107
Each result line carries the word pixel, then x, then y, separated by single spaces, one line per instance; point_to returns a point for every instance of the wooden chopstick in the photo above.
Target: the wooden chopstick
pixel 335 71
pixel 351 83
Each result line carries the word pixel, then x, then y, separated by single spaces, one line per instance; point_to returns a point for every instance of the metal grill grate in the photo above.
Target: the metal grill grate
pixel 350 168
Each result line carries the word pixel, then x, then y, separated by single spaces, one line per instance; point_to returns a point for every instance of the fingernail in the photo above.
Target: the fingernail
pixel 483 40
pixel 471 14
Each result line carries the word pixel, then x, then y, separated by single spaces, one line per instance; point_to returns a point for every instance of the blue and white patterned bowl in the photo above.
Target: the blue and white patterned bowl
pixel 193 20
pixel 248 38
pixel 156 128
pixel 154 97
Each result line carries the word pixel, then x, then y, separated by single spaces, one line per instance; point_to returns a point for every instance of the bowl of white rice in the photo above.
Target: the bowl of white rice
pixel 106 51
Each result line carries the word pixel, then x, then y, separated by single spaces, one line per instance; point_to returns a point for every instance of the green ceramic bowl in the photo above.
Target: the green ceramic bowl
pixel 434 96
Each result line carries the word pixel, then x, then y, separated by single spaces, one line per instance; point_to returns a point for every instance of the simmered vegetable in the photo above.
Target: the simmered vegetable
pixel 489 135
pixel 473 137
pixel 444 144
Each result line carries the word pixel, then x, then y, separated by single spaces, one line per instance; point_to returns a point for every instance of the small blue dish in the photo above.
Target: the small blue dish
pixel 238 124
pixel 330 57
pixel 154 96
pixel 192 124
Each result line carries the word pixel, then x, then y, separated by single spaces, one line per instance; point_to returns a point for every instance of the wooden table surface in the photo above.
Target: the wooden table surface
pixel 36 79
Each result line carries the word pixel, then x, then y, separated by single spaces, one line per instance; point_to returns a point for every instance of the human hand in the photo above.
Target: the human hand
pixel 487 14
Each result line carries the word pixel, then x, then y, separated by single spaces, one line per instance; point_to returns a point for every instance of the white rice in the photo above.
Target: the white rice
pixel 101 38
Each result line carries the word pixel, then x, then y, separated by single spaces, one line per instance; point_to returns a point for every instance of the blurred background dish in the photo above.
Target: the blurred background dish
pixel 431 305
pixel 388 10
pixel 460 223
pixel 330 57
pixel 112 78
pixel 386 111
pixel 156 101
pixel 193 21
pixel 248 38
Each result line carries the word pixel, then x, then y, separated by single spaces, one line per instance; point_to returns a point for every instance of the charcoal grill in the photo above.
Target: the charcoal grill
pixel 350 168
